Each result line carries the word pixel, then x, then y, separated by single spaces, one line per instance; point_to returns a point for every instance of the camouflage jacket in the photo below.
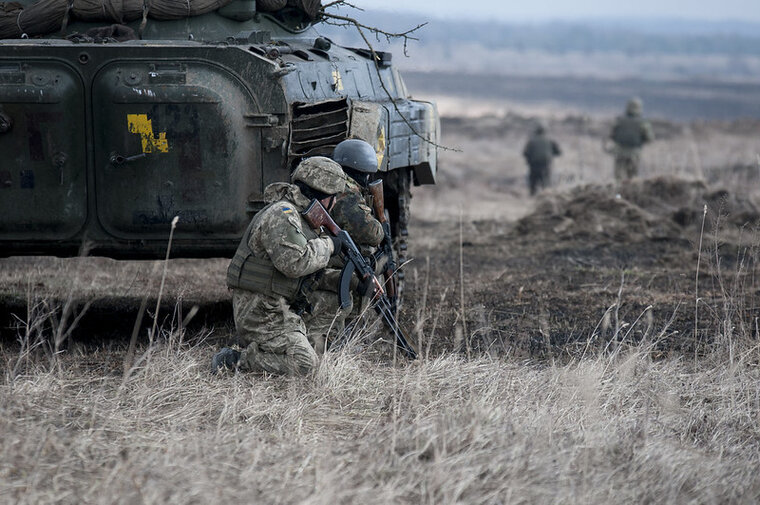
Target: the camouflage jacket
pixel 352 213
pixel 631 132
pixel 283 236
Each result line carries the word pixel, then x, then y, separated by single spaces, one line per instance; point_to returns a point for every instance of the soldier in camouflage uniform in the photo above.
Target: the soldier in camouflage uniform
pixel 271 275
pixel 539 152
pixel 629 133
pixel 352 212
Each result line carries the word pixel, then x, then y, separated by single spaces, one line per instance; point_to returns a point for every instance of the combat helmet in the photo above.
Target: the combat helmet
pixel 356 154
pixel 320 174
pixel 357 158
pixel 634 107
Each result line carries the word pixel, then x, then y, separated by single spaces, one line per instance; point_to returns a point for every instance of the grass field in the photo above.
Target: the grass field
pixel 578 348
pixel 618 428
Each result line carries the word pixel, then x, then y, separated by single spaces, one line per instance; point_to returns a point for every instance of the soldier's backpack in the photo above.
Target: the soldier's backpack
pixel 628 132
pixel 539 151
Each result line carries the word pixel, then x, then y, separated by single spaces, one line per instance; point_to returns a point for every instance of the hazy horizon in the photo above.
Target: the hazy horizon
pixel 552 10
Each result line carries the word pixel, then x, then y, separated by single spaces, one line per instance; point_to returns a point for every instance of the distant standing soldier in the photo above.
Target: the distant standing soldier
pixel 277 264
pixel 629 134
pixel 539 153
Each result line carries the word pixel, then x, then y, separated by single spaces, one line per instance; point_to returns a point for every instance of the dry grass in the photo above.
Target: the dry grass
pixel 98 278
pixel 609 429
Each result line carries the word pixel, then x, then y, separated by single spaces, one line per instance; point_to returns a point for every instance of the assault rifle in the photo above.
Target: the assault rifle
pixel 317 217
pixel 386 246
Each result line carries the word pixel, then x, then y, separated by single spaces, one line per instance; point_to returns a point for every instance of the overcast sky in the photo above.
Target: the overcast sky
pixel 542 10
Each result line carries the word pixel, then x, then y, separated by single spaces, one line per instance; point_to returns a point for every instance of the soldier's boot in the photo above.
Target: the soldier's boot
pixel 226 358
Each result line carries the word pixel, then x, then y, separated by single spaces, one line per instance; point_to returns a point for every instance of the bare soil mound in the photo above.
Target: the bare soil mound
pixel 662 208
pixel 590 260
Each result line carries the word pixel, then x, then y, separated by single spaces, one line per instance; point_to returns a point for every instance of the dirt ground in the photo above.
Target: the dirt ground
pixel 493 270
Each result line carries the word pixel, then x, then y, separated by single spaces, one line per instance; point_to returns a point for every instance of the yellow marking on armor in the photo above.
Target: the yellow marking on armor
pixel 139 124
pixel 380 147
pixel 337 80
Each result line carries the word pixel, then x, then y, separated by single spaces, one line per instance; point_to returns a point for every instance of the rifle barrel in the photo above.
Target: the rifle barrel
pixel 391 322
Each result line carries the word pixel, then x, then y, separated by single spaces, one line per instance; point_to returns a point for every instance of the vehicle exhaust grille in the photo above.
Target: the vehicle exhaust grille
pixel 318 127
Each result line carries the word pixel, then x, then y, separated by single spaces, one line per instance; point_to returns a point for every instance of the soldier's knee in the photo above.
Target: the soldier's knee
pixel 302 356
pixel 305 360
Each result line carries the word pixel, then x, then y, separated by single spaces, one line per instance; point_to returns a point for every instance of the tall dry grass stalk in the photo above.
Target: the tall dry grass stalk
pixel 163 278
pixel 696 284
pixel 465 333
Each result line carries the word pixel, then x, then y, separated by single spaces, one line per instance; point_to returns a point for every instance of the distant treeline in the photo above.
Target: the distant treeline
pixel 655 36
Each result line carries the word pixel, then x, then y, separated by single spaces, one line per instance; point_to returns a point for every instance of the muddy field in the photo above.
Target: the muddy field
pixel 584 265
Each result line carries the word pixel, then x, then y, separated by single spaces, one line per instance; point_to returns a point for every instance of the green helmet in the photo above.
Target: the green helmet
pixel 322 174
pixel 634 107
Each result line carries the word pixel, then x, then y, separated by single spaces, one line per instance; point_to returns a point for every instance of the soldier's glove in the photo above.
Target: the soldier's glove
pixel 337 245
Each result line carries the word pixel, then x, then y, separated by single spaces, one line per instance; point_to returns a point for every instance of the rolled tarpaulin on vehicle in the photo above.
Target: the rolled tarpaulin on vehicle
pixel 270 5
pixel 47 16
pixel 116 11
pixel 180 9
pixel 9 12
pixel 310 7
pixel 40 18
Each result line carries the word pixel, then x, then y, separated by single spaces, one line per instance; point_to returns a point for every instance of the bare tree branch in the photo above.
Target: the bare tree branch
pixel 340 3
pixel 389 36
pixel 339 20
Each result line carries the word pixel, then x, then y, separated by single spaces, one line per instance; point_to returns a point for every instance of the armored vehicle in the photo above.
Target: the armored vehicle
pixel 105 138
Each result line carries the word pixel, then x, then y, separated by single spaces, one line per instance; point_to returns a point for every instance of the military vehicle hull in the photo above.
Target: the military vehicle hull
pixel 103 144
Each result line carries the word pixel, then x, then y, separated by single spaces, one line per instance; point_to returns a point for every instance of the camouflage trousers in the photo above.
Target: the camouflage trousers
pixel 627 164
pixel 273 335
pixel 278 340
pixel 326 321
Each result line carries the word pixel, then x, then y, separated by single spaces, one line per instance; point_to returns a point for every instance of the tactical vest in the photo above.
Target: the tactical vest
pixel 259 275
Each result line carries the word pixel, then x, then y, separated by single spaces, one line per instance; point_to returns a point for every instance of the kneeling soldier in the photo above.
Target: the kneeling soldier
pixel 276 266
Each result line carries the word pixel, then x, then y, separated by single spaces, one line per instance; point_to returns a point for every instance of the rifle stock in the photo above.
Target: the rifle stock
pixel 378 203
pixel 378 199
pixel 316 215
